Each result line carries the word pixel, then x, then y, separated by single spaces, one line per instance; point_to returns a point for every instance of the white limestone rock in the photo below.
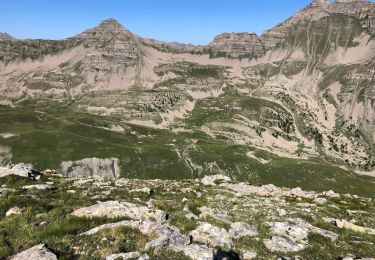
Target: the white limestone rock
pixel 38 252
pixel 114 209
pixel 247 255
pixel 211 235
pixel 13 211
pixel 280 244
pixel 45 186
pixel 124 256
pixel 242 229
pixel 209 180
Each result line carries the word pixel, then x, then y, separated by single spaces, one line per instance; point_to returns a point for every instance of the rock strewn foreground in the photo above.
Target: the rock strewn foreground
pixel 192 219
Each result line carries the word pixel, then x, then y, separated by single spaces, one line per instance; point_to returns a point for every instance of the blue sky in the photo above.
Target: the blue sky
pixel 194 21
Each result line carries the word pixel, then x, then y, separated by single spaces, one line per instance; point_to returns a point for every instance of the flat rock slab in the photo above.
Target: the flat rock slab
pixel 124 256
pixel 211 235
pixel 38 252
pixel 280 244
pixel 242 229
pixel 350 226
pixel 115 209
pixel 39 187
pixel 13 211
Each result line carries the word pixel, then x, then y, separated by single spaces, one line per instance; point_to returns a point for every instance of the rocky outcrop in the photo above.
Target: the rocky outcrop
pixel 164 236
pixel 237 45
pixel 38 252
pixel 92 168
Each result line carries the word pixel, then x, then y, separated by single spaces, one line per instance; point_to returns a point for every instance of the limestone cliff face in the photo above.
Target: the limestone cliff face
pixel 237 45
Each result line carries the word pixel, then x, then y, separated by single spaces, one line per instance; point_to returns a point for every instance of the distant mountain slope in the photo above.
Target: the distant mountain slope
pixel 303 89
pixel 6 37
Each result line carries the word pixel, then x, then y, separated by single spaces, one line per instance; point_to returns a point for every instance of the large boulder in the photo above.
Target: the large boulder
pixel 107 168
pixel 38 252
pixel 241 229
pixel 211 235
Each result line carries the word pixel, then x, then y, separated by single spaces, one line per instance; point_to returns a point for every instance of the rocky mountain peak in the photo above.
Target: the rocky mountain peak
pixel 110 24
pixel 114 48
pixel 108 31
pixel 6 37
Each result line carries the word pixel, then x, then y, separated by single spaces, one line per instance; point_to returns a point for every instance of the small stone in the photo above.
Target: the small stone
pixel 320 201
pixel 144 257
pixel 331 194
pixel 191 216
pixel 121 182
pixel 281 212
pixel 71 191
pixel 43 223
pixel 146 190
pixel 209 180
pixel 124 256
pixel 13 211
pixel 249 255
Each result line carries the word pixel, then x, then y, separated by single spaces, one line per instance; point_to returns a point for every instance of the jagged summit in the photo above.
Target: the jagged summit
pixel 111 25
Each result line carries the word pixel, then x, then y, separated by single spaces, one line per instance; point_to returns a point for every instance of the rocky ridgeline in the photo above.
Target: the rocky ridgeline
pixel 114 43
pixel 250 45
pixel 196 219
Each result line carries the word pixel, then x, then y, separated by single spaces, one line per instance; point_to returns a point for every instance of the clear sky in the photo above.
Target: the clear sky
pixel 186 21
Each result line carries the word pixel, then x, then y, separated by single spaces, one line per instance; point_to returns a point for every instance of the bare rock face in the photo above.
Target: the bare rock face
pixel 237 45
pixel 107 168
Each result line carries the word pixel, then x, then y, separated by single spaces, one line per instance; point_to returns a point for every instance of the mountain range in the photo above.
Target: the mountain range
pixel 302 93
